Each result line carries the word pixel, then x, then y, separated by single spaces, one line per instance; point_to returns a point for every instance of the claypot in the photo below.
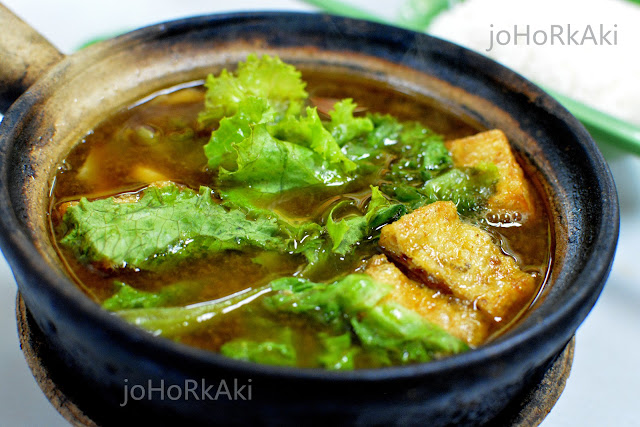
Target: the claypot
pixel 99 354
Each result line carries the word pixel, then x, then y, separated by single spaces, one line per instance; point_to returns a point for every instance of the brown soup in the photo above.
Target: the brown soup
pixel 161 140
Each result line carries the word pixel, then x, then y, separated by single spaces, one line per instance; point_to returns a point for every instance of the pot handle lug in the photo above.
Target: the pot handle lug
pixel 24 55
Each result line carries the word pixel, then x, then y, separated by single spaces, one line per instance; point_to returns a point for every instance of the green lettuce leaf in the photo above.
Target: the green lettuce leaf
pixel 352 230
pixel 129 297
pixel 386 131
pixel 405 193
pixel 388 332
pixel 343 126
pixel 347 232
pixel 322 262
pixel 163 224
pixel 269 165
pixel 421 153
pixel 468 188
pixel 246 154
pixel 271 352
pixel 263 141
pixel 435 159
pixel 354 308
pixel 233 130
pixel 309 131
pixel 326 303
pixel 301 235
pixel 381 211
pixel 297 152
pixel 266 352
pixel 415 152
pixel 266 77
pixel 404 333
pixel 422 170
pixel 338 353
pixel 176 321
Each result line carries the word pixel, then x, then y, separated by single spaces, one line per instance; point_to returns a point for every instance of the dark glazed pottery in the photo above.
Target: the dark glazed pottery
pixel 99 354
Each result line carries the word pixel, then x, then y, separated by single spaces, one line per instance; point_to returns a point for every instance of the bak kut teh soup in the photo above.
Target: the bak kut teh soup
pixel 321 223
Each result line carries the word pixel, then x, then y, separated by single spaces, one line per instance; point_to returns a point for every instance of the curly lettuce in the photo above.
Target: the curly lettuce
pixel 163 225
pixel 350 231
pixel 266 77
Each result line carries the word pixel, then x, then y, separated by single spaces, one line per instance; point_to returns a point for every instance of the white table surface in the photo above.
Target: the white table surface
pixel 603 386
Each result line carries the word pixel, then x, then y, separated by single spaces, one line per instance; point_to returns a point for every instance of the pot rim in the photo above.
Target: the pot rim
pixel 22 254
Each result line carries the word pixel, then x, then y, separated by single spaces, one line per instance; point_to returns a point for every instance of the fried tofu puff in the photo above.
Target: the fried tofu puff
pixel 457 258
pixel 451 314
pixel 512 200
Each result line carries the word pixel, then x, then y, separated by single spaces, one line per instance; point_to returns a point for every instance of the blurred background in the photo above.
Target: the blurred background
pixel 602 388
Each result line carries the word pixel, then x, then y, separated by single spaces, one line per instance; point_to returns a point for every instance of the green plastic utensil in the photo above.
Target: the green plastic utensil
pixel 417 15
pixel 414 15
pixel 603 127
pixel 343 9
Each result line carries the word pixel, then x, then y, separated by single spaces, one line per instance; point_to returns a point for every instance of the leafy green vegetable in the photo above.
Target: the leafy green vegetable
pixel 322 262
pixel 349 231
pixel 235 129
pixel 381 211
pixel 267 352
pixel 353 307
pixel 266 77
pixel 272 149
pixel 326 303
pixel 416 153
pixel 422 171
pixel 435 159
pixel 404 333
pixel 309 132
pixel 269 165
pixel 174 321
pixel 338 353
pixel 343 126
pixel 386 131
pixel 388 331
pixel 247 151
pixel 164 224
pixel 405 193
pixel 468 188
pixel 263 141
pixel 422 154
pixel 301 235
pixel 281 352
pixel 346 233
pixel 129 297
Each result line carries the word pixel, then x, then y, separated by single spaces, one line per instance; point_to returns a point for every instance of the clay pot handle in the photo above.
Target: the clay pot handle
pixel 24 56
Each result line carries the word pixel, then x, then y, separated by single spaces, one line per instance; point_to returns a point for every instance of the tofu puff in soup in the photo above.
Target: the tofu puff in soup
pixel 310 222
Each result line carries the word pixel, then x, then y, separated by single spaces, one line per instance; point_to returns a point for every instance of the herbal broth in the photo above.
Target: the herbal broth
pixel 161 140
